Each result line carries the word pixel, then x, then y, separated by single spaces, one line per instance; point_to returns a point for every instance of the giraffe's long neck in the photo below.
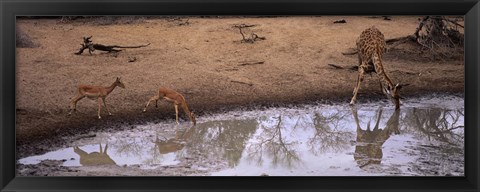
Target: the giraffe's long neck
pixel 385 79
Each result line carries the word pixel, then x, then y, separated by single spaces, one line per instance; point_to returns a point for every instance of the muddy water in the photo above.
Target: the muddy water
pixel 424 138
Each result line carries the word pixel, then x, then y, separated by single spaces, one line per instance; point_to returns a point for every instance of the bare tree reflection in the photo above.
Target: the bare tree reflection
pixel 129 147
pixel 330 135
pixel 438 124
pixel 272 143
pixel 223 139
pixel 175 143
pixel 368 150
pixel 94 158
pixel 444 155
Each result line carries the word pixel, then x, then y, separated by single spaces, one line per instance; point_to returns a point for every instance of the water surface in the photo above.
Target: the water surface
pixel 424 138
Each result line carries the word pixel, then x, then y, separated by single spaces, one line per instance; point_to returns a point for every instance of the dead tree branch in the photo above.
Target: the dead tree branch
pixel 351 51
pixel 251 63
pixel 400 39
pixel 453 22
pixel 420 25
pixel 436 34
pixel 241 82
pixel 368 70
pixel 179 21
pixel 253 37
pixel 352 68
pixel 87 44
pixel 244 26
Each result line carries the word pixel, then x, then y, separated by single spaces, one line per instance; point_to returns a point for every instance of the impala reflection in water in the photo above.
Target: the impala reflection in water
pixel 421 139
pixel 94 158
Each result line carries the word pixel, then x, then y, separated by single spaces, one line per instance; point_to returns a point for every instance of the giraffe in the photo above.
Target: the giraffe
pixel 371 46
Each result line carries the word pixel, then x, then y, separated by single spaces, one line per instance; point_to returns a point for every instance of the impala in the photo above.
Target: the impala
pixel 95 92
pixel 175 98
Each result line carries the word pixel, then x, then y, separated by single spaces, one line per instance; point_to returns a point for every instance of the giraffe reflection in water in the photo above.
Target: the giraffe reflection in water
pixel 368 150
pixel 94 158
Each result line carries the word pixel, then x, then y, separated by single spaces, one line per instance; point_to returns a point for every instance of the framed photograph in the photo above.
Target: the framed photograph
pixel 239 95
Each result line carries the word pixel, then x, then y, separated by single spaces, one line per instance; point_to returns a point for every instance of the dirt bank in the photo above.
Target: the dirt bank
pixel 204 59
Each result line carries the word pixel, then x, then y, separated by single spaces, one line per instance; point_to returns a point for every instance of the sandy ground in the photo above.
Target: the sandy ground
pixel 203 60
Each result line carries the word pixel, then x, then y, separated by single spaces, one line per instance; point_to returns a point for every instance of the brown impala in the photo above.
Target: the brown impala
pixel 94 92
pixel 174 97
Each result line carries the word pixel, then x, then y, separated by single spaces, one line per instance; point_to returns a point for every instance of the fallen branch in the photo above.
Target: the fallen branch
pixel 132 59
pixel 252 63
pixel 370 69
pixel 244 26
pixel 350 53
pixel 87 44
pixel 397 41
pixel 405 72
pixel 179 20
pixel 352 68
pixel 401 39
pixel 184 22
pixel 253 37
pixel 336 66
pixel 241 82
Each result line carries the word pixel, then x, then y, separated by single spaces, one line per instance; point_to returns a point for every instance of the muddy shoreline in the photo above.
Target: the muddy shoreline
pixel 57 137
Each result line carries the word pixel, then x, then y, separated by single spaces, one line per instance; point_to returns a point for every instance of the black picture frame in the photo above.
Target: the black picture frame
pixel 9 9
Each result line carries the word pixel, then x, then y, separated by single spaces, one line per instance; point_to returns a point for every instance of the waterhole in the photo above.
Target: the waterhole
pixel 424 138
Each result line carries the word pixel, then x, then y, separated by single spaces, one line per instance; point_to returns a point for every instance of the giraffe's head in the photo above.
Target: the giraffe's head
pixel 394 94
pixel 119 82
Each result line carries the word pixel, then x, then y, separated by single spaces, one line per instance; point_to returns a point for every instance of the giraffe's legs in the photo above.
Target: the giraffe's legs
pixel 361 73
